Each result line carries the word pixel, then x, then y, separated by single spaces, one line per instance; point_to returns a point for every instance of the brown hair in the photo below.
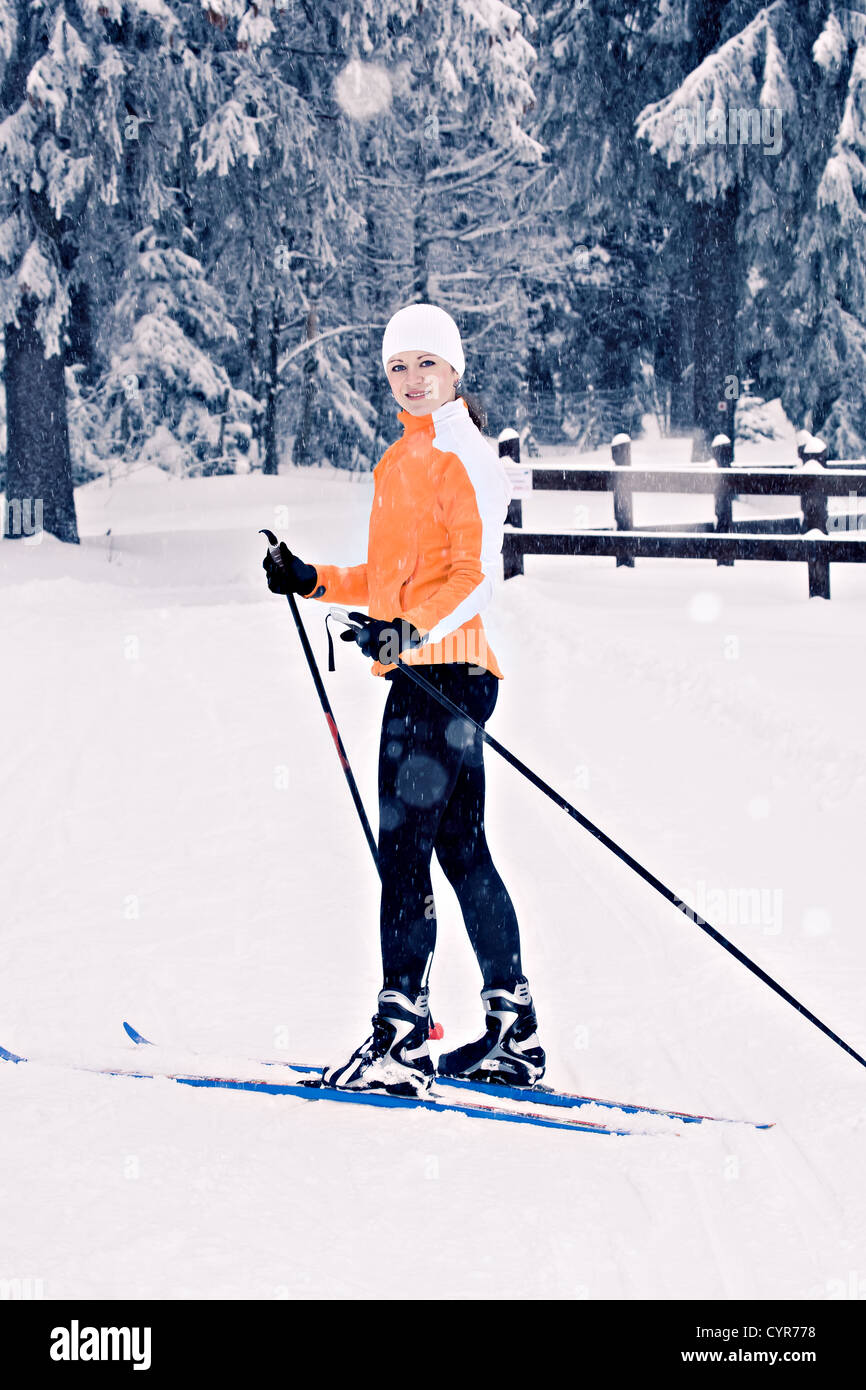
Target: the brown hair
pixel 477 413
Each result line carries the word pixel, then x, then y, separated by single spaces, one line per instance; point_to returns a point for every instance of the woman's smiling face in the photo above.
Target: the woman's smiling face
pixel 420 381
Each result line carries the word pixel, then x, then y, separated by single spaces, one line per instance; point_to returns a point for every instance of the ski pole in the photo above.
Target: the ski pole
pixel 634 864
pixel 273 546
pixel 628 859
pixel 435 1030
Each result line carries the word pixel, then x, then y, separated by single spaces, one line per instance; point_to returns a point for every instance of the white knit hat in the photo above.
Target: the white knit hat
pixel 424 328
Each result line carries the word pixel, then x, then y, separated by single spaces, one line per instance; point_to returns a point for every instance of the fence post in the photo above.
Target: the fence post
pixel 803 438
pixel 815 451
pixel 509 447
pixel 512 556
pixel 813 500
pixel 819 570
pixel 722 451
pixel 620 448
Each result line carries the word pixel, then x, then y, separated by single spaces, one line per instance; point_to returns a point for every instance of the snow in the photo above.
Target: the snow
pixel 179 849
pixel 758 422
pixel 229 135
pixel 363 90
pixel 830 48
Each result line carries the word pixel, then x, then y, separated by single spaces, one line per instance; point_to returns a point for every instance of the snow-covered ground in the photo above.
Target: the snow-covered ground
pixel 179 849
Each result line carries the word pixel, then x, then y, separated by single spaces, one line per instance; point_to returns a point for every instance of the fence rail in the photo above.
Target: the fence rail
pixel 817 552
pixel 726 541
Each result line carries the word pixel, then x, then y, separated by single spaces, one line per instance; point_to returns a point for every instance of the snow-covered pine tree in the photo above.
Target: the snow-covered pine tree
pixel 690 127
pixel 167 400
pixel 766 135
pixel 445 173
pixel 825 296
pixel 332 415
pixel 593 273
pixel 276 217
pixel 57 93
pixel 67 99
pixel 485 179
pixel 164 390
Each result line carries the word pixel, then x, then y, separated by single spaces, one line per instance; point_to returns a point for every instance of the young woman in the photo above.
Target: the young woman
pixel 435 537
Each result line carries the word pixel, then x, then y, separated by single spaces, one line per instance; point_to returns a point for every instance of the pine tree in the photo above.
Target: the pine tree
pixel 66 93
pixel 165 390
pixel 46 168
pixel 825 296
pixel 685 127
pixel 593 271
pixel 274 214
pixel 766 135
pixel 441 171
pixel 167 400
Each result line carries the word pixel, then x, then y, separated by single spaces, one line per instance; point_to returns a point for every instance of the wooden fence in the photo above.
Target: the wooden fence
pixel 806 539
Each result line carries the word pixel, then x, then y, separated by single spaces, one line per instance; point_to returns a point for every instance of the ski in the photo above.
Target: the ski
pixel 312 1089
pixel 569 1099
pixel 546 1095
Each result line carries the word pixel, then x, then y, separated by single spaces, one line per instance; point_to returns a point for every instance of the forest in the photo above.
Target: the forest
pixel 632 208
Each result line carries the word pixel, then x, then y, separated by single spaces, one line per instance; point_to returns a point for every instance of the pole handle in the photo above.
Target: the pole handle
pixel 273 544
pixel 341 615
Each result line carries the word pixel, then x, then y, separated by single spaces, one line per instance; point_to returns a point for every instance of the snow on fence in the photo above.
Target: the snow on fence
pixel 804 538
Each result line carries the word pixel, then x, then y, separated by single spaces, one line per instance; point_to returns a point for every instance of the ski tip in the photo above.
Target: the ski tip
pixel 6 1056
pixel 136 1037
pixel 436 1032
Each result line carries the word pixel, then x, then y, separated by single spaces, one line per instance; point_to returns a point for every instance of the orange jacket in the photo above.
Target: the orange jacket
pixel 439 503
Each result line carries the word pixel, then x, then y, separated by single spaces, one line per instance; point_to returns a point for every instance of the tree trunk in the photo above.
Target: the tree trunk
pixel 255 381
pixel 714 267
pixel 272 460
pixel 80 349
pixel 38 463
pixel 379 305
pixel 420 291
pixel 301 452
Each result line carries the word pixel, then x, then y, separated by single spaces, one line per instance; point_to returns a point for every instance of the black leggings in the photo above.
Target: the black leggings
pixel 431 796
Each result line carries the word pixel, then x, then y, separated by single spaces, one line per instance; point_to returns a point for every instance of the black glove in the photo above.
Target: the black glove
pixel 382 640
pixel 290 575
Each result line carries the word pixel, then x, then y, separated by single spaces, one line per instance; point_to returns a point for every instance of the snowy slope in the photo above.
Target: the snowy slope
pixel 178 848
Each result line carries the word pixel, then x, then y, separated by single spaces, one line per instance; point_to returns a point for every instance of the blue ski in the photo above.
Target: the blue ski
pixel 544 1095
pixel 313 1090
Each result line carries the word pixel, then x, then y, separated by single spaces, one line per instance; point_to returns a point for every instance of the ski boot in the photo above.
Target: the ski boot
pixel 509 1053
pixel 394 1058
